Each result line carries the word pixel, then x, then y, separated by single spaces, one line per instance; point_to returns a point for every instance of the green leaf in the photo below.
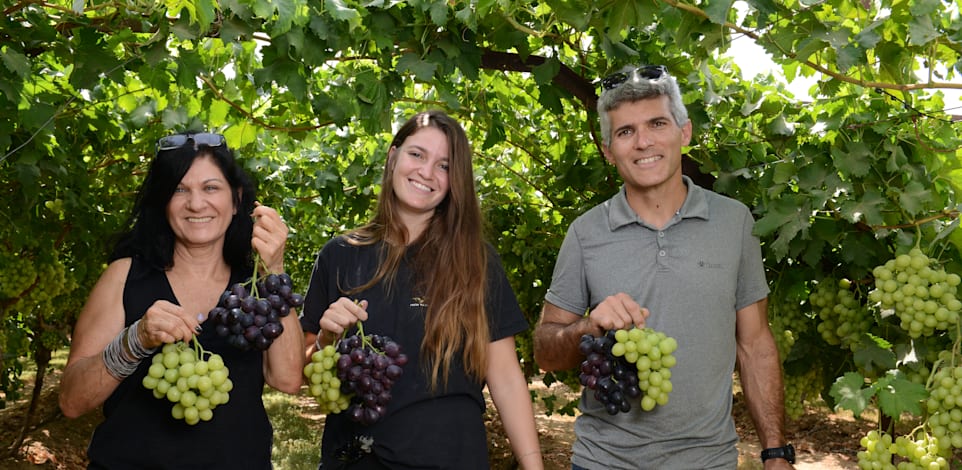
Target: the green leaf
pixel 546 72
pixel 897 396
pixel 779 126
pixel 439 13
pixel 868 208
pixel 850 56
pixel 921 30
pixel 915 197
pixel 15 61
pixel 871 358
pixel 789 217
pixel 340 11
pixel 717 10
pixel 855 160
pixel 784 172
pixel 421 69
pixel 868 38
pixel 849 394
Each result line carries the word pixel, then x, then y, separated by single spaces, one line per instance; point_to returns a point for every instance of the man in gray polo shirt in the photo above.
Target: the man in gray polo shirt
pixel 670 255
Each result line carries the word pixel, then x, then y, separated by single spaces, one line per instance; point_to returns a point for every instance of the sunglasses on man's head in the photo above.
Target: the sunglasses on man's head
pixel 650 72
pixel 178 140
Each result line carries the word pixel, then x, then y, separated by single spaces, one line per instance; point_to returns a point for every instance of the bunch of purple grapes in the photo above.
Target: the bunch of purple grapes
pixel 613 379
pixel 368 368
pixel 251 318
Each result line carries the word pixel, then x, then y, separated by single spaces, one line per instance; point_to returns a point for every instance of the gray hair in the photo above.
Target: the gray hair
pixel 637 88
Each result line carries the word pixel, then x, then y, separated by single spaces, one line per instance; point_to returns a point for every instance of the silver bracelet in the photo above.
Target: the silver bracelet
pixel 125 352
pixel 116 360
pixel 136 348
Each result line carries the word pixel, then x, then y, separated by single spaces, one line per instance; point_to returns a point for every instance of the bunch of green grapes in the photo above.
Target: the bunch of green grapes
pixel 322 381
pixel 194 380
pixel 945 406
pixel 920 292
pixel 651 353
pixel 923 453
pixel 791 316
pixel 17 273
pixel 54 283
pixel 877 451
pixel 784 341
pixel 788 322
pixel 843 320
pixel 799 389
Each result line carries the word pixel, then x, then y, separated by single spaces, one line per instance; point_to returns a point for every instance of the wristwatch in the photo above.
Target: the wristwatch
pixel 786 452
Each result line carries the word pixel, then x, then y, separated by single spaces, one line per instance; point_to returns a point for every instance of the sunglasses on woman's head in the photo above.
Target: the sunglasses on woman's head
pixel 650 72
pixel 178 140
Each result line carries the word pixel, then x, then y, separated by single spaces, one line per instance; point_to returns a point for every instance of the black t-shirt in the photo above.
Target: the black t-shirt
pixel 139 432
pixel 421 430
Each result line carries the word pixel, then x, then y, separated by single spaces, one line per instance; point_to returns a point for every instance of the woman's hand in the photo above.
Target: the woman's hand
pixel 342 314
pixel 269 237
pixel 166 322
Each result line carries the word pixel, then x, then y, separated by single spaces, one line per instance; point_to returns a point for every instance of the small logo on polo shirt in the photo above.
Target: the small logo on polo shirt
pixel 707 265
pixel 418 302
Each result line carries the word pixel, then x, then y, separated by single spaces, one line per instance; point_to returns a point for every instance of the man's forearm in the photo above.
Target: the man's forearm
pixel 761 380
pixel 556 344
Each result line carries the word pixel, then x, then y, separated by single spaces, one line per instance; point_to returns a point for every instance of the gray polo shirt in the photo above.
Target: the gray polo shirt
pixel 693 275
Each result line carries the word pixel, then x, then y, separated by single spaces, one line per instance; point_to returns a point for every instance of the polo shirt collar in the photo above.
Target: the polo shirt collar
pixel 695 205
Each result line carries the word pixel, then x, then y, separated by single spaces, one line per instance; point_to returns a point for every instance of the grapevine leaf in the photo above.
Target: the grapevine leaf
pixel 870 357
pixel 849 394
pixel 867 209
pixel 914 197
pixel 897 395
pixel 788 216
pixel 921 30
pixel 421 69
pixel 15 62
pixel 717 10
pixel 850 56
pixel 855 160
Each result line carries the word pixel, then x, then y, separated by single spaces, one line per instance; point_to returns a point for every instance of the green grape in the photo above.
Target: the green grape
pixel 877 452
pixel 651 353
pixel 923 453
pixel 919 292
pixel 194 380
pixel 945 407
pixel 17 273
pixel 322 381
pixel 842 319
pixel 798 390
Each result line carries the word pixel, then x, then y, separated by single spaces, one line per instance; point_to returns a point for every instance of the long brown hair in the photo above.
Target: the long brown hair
pixel 450 261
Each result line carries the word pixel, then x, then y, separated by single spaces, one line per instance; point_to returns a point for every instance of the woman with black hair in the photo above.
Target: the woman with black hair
pixel 192 234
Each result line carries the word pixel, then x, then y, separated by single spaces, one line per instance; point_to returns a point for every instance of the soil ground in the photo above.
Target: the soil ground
pixel 823 440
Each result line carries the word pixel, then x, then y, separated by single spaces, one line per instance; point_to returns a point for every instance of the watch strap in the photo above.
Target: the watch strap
pixel 786 452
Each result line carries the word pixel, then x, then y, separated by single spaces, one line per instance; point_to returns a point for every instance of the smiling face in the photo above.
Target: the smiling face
pixel 646 144
pixel 202 206
pixel 420 175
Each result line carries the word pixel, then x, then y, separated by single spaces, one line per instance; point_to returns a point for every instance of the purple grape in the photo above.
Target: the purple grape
pixel 240 310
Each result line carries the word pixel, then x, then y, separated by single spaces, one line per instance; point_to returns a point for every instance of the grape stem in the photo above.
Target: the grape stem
pixel 199 350
pixel 365 340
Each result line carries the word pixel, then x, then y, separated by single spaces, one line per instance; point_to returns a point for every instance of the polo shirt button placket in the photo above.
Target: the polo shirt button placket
pixel 662 253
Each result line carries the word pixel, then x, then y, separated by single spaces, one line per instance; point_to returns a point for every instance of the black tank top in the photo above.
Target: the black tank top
pixel 138 431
